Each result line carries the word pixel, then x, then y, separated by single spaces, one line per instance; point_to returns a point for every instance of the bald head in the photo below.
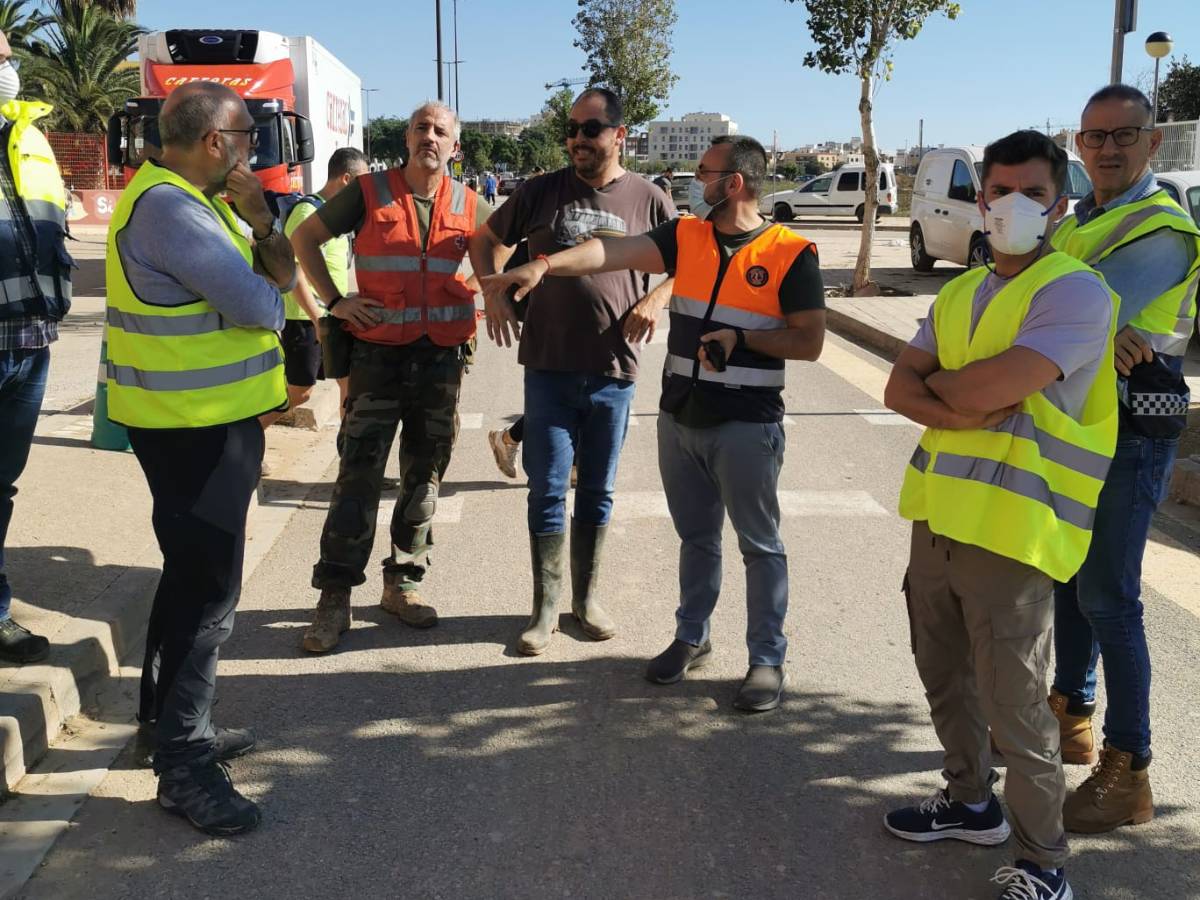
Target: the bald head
pixel 196 109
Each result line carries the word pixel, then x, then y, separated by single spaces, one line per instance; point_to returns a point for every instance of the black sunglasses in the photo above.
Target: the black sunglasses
pixel 251 132
pixel 591 128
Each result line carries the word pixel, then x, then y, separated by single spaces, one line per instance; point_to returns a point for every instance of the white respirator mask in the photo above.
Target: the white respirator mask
pixel 1015 224
pixel 10 81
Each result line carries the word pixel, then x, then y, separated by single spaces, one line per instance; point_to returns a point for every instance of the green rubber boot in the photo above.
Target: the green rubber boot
pixel 546 552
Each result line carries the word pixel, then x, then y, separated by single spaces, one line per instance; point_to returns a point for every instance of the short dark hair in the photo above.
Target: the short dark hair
pixel 613 110
pixel 746 157
pixel 344 159
pixel 1124 93
pixel 202 108
pixel 1022 146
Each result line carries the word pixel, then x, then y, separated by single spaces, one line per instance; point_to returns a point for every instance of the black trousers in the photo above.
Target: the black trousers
pixel 201 480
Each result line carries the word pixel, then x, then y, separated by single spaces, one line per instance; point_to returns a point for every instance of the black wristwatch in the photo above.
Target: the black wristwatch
pixel 740 343
pixel 335 301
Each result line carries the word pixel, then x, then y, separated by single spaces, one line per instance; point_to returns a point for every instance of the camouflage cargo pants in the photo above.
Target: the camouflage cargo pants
pixel 417 389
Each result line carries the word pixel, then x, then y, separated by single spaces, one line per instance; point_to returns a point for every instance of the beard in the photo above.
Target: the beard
pixel 229 159
pixel 594 161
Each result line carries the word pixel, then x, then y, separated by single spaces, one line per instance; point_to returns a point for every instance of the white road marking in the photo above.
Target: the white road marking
pixel 470 420
pixel 449 510
pixel 629 506
pixel 858 372
pixel 885 417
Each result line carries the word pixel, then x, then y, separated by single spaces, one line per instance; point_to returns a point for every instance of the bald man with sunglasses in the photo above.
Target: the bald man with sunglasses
pixel 580 346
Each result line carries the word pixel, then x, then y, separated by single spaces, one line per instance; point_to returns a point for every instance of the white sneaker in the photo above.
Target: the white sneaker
pixel 505 450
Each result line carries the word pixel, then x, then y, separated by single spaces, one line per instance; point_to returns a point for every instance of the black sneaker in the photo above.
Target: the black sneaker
pixel 204 795
pixel 229 743
pixel 1026 881
pixel 939 818
pixel 19 645
pixel 673 663
pixel 761 689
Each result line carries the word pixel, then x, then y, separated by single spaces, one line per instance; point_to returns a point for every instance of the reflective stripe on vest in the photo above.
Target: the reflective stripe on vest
pixel 726 315
pixel 46 290
pixel 735 376
pixel 422 290
pixel 183 366
pixel 1167 321
pixel 1026 488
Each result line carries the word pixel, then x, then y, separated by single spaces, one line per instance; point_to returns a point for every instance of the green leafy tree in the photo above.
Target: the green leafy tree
pixel 20 21
pixel 387 139
pixel 556 112
pixel 541 147
pixel 122 9
pixel 856 37
pixel 1179 92
pixel 477 150
pixel 628 47
pixel 78 64
pixel 506 150
pixel 814 168
pixel 789 170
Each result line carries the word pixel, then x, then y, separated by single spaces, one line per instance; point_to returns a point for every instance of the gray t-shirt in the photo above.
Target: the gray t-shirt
pixel 575 324
pixel 1067 323
pixel 175 251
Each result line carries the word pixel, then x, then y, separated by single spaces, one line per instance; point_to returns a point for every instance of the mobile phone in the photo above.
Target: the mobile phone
pixel 715 351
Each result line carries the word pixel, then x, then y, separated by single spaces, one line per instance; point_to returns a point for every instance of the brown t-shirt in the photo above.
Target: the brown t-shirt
pixel 574 324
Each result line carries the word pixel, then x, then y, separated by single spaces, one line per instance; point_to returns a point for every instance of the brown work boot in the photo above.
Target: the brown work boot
pixel 1113 795
pixel 1075 732
pixel 407 606
pixel 331 621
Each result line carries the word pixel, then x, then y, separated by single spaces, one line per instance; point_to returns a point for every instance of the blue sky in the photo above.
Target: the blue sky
pixel 1003 64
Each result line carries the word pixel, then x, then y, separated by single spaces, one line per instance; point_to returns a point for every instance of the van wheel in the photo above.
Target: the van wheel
pixel 921 261
pixel 783 212
pixel 858 213
pixel 977 254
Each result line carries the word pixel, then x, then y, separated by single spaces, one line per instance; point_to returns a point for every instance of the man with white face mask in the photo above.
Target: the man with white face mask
pixel 35 270
pixel 747 297
pixel 1010 375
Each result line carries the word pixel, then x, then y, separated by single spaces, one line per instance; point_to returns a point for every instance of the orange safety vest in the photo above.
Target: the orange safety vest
pixel 747 297
pixel 422 291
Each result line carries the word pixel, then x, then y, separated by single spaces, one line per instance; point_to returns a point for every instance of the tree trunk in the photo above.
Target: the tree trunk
pixel 862 268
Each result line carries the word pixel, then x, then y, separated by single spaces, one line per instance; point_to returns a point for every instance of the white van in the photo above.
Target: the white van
pixel 946 222
pixel 840 193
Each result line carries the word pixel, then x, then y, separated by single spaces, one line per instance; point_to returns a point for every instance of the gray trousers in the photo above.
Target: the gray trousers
pixel 732 467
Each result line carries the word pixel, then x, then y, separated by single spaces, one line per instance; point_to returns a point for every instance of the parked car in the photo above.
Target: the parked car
pixel 840 193
pixel 946 222
pixel 1184 188
pixel 508 184
pixel 679 190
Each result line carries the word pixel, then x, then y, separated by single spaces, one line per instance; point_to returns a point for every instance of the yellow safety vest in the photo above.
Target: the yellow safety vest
pixel 1027 488
pixel 1167 321
pixel 183 366
pixel 45 291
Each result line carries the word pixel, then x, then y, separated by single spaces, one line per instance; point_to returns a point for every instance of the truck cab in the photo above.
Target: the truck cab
pixel 255 64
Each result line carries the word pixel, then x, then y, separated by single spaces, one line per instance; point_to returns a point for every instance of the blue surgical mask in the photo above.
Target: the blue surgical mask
pixel 701 208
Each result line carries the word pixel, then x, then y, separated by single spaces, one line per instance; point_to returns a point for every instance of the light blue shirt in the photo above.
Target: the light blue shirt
pixel 1146 269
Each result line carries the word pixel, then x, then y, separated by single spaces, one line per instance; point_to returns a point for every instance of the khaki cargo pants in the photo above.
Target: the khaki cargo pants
pixel 981 634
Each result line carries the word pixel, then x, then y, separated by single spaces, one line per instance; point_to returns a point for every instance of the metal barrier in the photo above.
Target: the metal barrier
pixel 83 161
pixel 1179 151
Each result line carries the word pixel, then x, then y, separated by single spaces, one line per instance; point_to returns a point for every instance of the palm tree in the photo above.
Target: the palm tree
pixel 19 24
pixel 78 65
pixel 121 9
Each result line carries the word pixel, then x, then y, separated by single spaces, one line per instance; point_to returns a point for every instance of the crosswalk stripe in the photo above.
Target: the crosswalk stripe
pixel 470 420
pixel 885 417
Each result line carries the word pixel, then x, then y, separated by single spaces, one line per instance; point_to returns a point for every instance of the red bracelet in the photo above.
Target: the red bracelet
pixel 544 258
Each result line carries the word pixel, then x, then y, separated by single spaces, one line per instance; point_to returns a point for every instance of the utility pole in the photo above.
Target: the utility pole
pixel 457 94
pixel 1124 22
pixel 367 92
pixel 437 4
pixel 920 141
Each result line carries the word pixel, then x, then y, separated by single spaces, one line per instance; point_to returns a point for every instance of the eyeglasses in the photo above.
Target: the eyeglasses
pixel 591 128
pixel 1094 138
pixel 251 132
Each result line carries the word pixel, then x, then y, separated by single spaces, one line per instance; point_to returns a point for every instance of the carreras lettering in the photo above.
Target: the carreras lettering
pixel 337 113
pixel 177 80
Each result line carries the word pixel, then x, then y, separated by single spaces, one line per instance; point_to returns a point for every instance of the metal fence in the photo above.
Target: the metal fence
pixel 1179 151
pixel 83 161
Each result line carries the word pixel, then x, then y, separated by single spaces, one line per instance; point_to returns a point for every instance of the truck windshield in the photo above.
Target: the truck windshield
pixel 144 142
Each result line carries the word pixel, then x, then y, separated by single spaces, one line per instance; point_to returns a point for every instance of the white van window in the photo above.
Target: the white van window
pixel 883 180
pixel 961 186
pixel 849 181
pixel 1078 183
pixel 817 186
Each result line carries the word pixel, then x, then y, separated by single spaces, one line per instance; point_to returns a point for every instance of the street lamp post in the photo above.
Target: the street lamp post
pixel 1158 45
pixel 367 92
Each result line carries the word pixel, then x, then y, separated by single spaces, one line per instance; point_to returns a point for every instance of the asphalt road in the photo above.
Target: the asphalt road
pixel 439 764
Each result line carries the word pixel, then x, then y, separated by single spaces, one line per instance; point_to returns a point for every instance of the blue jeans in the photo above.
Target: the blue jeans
pixel 22 386
pixel 1098 613
pixel 706 472
pixel 572 417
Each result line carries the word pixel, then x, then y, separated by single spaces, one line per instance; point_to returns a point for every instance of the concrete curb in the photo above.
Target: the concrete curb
pixel 1185 483
pixel 846 325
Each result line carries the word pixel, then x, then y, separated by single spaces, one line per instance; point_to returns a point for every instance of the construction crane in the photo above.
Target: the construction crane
pixel 566 82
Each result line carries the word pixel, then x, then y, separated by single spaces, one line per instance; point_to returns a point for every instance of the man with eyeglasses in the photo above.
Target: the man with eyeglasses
pixel 36 272
pixel 194 359
pixel 1148 250
pixel 579 356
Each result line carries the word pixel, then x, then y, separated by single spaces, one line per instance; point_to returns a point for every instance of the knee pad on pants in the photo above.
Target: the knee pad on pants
pixel 421 506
